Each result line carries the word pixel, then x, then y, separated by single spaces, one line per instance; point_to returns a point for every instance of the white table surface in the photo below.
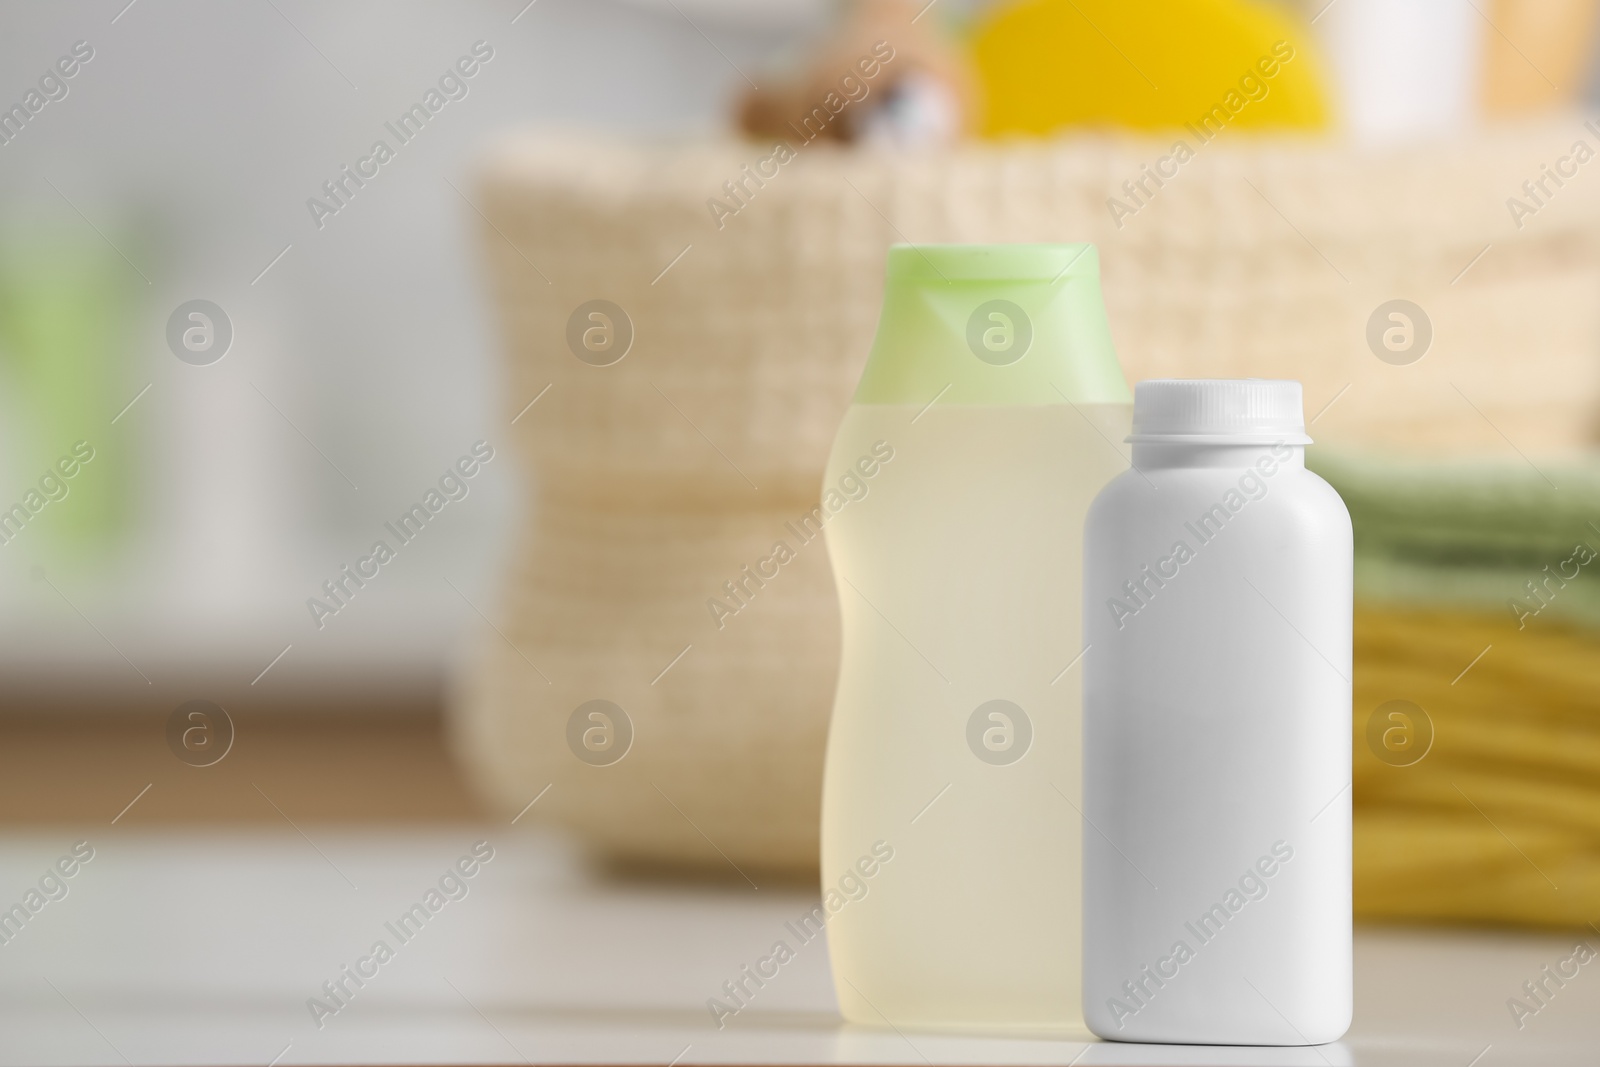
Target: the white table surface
pixel 203 947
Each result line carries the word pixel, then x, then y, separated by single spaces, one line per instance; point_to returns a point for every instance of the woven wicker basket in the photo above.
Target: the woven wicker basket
pixel 657 478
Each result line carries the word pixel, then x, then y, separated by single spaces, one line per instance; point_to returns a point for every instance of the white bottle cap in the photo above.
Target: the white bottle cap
pixel 1217 411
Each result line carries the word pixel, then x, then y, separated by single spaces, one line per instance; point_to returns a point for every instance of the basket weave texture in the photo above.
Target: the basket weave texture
pixel 654 480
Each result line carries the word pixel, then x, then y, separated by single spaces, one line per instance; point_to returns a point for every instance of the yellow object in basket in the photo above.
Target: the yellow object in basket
pixel 1494 816
pixel 1208 64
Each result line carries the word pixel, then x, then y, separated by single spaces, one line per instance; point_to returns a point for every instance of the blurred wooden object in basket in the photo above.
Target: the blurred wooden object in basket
pixel 884 76
pixel 668 472
pixel 1538 54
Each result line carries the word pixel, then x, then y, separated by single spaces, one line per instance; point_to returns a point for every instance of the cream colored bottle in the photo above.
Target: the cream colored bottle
pixel 990 413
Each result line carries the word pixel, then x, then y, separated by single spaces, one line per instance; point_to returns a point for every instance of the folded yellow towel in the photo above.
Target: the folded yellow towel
pixel 1499 821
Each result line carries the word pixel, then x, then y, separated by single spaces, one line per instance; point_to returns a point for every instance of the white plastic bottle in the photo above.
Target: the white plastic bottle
pixel 1217 608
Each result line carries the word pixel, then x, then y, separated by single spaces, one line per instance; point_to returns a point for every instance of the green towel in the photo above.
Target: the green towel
pixel 1489 535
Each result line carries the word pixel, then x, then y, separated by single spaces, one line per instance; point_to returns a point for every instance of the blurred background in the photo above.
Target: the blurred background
pixel 251 358
pixel 178 167
pixel 363 361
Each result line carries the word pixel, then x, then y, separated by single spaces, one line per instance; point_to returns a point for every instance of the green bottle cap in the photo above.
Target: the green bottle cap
pixel 993 324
